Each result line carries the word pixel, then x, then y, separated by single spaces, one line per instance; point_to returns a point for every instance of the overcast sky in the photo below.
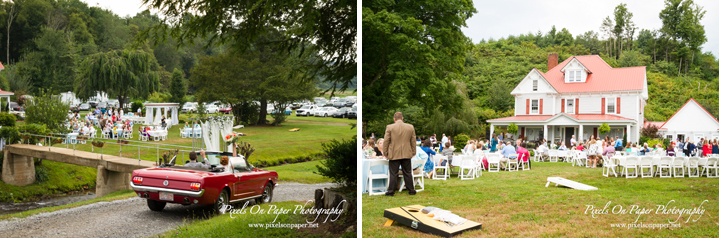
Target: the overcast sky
pixel 497 19
pixel 121 8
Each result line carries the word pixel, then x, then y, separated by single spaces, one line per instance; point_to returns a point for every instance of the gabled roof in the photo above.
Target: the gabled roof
pixel 574 58
pixel 6 93
pixel 575 117
pixel 541 75
pixel 685 104
pixel 603 78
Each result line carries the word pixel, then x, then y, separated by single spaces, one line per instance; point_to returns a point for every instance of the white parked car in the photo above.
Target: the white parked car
pixel 325 111
pixel 189 107
pixel 306 110
pixel 211 108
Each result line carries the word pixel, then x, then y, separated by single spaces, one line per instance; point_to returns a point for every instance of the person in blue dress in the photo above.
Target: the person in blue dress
pixel 493 143
pixel 429 165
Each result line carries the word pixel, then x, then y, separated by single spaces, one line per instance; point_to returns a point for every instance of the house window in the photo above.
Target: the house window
pixel 534 85
pixel 571 76
pixel 535 106
pixel 611 103
pixel 570 106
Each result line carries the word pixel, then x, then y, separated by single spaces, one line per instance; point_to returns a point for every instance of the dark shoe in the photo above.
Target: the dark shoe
pixel 389 194
pixel 412 193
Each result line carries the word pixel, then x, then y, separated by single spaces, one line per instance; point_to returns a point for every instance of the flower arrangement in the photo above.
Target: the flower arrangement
pixel 231 138
pixel 98 144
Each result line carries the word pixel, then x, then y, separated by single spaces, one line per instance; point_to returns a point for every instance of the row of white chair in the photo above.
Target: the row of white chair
pixel 667 167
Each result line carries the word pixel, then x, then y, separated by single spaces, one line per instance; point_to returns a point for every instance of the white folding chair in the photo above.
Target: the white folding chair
pixel 522 163
pixel 493 159
pixel 711 163
pixel 678 164
pixel 536 156
pixel 510 162
pixel 127 134
pixel 182 133
pixel 693 167
pixel 553 156
pixel 144 137
pixel 436 159
pixel 609 165
pixel 417 179
pixel 371 176
pixel 581 158
pixel 468 164
pixel 480 166
pixel 645 162
pixel 665 163
pixel 631 163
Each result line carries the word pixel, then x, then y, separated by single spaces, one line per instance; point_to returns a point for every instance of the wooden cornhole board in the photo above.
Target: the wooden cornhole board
pixel 295 129
pixel 422 222
pixel 569 183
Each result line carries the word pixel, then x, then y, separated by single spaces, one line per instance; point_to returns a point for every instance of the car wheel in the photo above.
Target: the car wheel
pixel 221 201
pixel 156 205
pixel 266 194
pixel 325 115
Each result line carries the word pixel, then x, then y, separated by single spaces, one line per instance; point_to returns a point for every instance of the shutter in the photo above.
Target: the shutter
pixel 595 132
pixel 523 131
pixel 603 101
pixel 541 106
pixel 576 106
pixel 619 105
pixel 562 105
pixel 527 106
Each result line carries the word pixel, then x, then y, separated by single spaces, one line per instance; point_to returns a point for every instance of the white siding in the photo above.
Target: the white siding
pixel 574 65
pixel 526 85
pixel 591 104
pixel 520 104
pixel 629 107
pixel 692 118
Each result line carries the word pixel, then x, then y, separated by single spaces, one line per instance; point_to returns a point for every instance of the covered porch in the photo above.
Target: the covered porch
pixel 561 127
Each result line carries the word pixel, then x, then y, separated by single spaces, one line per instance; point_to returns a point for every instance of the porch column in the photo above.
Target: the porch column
pixel 581 134
pixel 491 130
pixel 629 133
pixel 545 132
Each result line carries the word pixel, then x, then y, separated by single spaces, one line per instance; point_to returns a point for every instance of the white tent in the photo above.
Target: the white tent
pixel 158 109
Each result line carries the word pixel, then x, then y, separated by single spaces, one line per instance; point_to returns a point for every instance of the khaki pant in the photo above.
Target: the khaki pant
pixel 503 162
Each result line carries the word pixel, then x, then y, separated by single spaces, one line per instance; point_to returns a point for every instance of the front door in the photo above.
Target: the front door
pixel 568 133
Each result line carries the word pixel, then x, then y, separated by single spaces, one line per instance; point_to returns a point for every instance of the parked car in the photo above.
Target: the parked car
pixel 226 109
pixel 306 110
pixel 339 103
pixel 84 107
pixel 189 107
pixel 270 108
pixel 113 103
pixel 170 183
pixel 288 111
pixel 352 113
pixel 325 111
pixel 15 107
pixel 342 112
pixel 101 105
pixel 211 108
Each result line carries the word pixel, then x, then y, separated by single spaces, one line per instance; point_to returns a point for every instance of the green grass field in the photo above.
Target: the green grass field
pixel 517 204
pixel 63 178
pixel 300 172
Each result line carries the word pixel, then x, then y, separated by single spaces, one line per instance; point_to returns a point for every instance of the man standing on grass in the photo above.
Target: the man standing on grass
pixel 399 147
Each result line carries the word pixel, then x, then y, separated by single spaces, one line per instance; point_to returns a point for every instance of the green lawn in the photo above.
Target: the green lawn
pixel 243 225
pixel 517 204
pixel 63 178
pixel 299 173
pixel 124 194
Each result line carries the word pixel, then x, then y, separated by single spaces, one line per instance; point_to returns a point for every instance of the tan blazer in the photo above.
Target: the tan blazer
pixel 400 142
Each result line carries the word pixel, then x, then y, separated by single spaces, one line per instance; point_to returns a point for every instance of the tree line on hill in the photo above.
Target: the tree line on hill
pixel 676 68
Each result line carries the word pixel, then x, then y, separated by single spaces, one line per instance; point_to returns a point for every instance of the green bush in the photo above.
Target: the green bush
pixel 36 129
pixel 137 104
pixel 454 126
pixel 49 111
pixel 341 163
pixel 604 128
pixel 460 141
pixel 7 119
pixel 512 128
pixel 11 134
pixel 41 174
pixel 653 142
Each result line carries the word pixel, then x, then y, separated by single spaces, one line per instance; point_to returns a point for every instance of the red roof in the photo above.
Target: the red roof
pixel 690 99
pixel 601 79
pixel 1 66
pixel 580 117
pixel 6 92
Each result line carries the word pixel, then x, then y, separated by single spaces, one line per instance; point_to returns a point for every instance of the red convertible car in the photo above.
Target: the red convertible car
pixel 188 185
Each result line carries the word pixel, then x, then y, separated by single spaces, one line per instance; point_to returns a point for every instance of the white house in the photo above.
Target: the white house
pixel 692 121
pixel 576 97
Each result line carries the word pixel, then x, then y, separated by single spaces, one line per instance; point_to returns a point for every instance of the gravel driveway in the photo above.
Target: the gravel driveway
pixel 128 217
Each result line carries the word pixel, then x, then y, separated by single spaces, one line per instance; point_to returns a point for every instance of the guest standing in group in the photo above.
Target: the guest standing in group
pixel 429 164
pixel 692 148
pixel 706 148
pixel 715 149
pixel 493 143
pixel 399 148
pixel 573 142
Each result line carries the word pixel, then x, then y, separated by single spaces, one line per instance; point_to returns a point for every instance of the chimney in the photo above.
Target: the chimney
pixel 552 61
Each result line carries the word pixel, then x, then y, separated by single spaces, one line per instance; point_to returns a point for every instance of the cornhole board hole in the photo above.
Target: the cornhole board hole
pixel 295 129
pixel 412 217
pixel 569 183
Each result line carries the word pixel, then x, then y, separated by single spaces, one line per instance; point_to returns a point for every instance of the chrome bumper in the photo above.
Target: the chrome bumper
pixel 168 190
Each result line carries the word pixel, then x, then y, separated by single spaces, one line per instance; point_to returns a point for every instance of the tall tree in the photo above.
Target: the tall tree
pixel 121 73
pixel 329 25
pixel 178 87
pixel 11 14
pixel 411 52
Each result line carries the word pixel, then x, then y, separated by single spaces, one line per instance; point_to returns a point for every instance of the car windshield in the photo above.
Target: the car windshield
pixel 305 107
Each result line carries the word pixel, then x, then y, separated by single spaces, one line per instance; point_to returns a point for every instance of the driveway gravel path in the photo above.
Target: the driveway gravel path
pixel 128 217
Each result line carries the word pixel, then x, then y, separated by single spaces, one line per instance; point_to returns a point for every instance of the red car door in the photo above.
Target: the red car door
pixel 243 187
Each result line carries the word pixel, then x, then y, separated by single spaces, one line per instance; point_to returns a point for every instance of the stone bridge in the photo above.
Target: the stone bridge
pixel 113 172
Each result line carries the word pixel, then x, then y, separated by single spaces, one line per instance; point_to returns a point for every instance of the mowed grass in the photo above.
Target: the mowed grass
pixel 300 172
pixel 517 204
pixel 63 178
pixel 123 194
pixel 272 144
pixel 243 225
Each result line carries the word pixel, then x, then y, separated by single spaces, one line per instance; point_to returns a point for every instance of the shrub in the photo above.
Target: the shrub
pixel 36 129
pixel 11 134
pixel 512 128
pixel 341 163
pixel 47 110
pixel 604 128
pixel 41 174
pixel 454 126
pixel 460 141
pixel 653 142
pixel 137 104
pixel 7 119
